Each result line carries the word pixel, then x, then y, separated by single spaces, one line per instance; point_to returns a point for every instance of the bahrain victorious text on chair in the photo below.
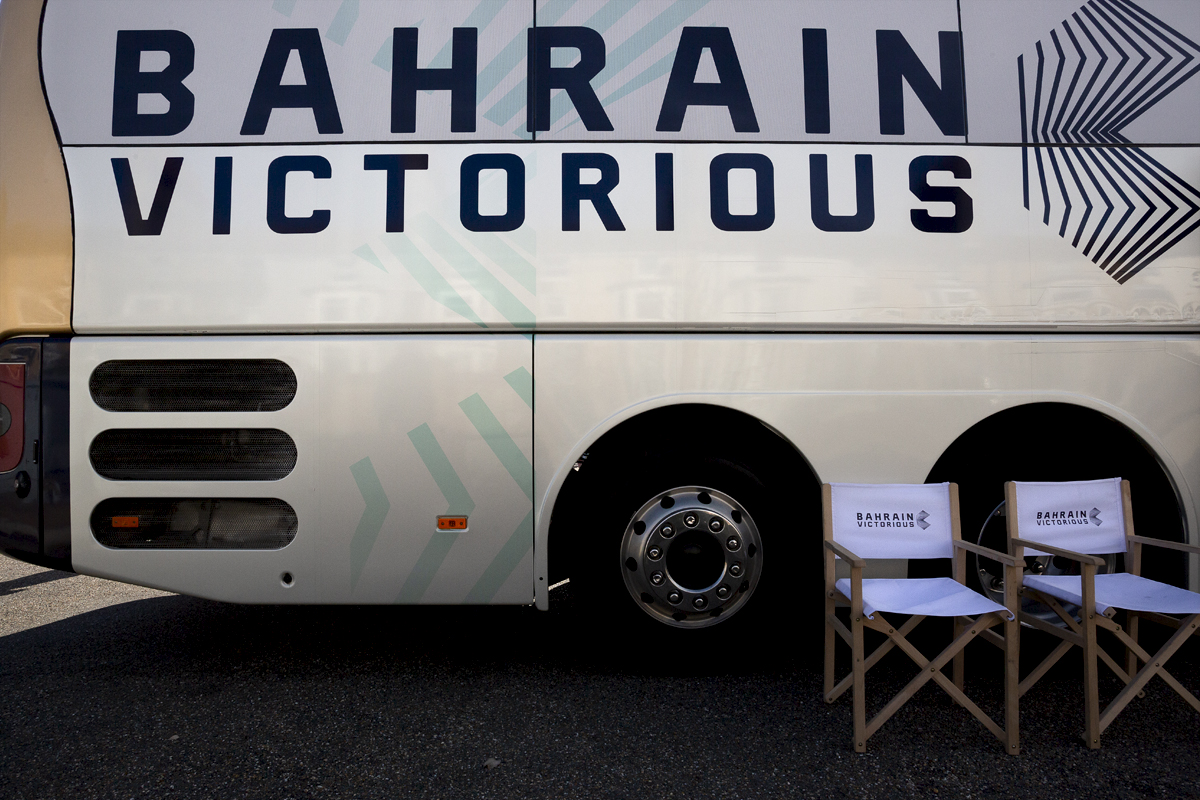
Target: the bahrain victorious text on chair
pixel 911 521
pixel 1080 521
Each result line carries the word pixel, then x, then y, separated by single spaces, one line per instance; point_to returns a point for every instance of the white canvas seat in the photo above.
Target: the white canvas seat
pixel 1080 521
pixel 928 597
pixel 1120 590
pixel 910 521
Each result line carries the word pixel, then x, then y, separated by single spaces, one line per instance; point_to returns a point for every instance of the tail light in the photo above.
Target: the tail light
pixel 12 415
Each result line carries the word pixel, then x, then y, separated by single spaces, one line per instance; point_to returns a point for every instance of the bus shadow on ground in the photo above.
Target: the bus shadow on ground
pixel 215 699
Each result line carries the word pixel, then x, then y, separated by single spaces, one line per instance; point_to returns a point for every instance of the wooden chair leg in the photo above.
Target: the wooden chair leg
pixel 860 690
pixel 830 644
pixel 1155 665
pixel 959 659
pixel 1012 685
pixel 1131 628
pixel 1091 686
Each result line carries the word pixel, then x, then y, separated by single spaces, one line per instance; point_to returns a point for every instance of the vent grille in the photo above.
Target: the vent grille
pixel 193 454
pixel 262 384
pixel 162 523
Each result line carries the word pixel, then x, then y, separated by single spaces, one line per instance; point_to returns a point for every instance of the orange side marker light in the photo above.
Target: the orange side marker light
pixel 451 523
pixel 125 522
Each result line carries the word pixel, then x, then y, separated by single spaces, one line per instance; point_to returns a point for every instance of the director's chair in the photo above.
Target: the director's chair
pixel 1080 521
pixel 911 521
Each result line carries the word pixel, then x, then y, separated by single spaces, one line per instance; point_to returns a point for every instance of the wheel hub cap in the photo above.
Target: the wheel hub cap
pixel 691 557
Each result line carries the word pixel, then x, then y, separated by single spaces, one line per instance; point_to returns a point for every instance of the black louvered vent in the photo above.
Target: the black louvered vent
pixel 233 523
pixel 193 454
pixel 252 384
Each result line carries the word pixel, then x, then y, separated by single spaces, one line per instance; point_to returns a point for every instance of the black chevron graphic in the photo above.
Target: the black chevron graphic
pixel 1102 68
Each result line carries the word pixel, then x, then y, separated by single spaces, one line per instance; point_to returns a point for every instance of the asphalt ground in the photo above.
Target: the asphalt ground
pixel 121 692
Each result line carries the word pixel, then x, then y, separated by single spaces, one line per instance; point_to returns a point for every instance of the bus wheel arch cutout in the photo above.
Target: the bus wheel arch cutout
pixel 1088 444
pixel 667 505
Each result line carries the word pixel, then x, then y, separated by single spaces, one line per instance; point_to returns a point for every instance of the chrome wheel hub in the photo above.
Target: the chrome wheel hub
pixel 691 557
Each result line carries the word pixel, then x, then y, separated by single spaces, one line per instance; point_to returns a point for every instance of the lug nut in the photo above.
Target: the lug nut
pixel 667 531
pixel 690 520
pixel 736 570
pixel 722 592
pixel 700 602
pixel 716 525
pixel 733 543
pixel 674 597
pixel 654 553
pixel 657 579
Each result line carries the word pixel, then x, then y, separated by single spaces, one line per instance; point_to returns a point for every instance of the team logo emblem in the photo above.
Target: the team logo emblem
pixel 1100 70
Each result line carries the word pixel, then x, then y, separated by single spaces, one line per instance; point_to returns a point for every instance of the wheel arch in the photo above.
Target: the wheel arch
pixel 762 444
pixel 1085 439
pixel 1005 402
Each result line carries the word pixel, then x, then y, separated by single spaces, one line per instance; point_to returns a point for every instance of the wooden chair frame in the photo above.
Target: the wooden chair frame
pixel 965 630
pixel 1082 632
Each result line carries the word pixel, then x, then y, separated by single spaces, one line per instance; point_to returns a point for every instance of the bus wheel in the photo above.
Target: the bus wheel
pixel 691 556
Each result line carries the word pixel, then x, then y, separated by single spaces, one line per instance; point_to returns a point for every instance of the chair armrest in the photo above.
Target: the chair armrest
pixel 854 560
pixel 987 552
pixel 1186 548
pixel 1058 551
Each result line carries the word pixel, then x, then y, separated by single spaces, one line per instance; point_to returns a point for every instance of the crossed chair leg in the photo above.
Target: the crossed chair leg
pixel 1082 633
pixel 965 630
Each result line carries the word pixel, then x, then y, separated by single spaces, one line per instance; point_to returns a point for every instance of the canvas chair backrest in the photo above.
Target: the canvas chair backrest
pixel 893 520
pixel 1084 516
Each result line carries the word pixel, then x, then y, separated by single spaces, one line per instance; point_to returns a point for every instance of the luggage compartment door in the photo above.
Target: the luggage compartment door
pixel 420 435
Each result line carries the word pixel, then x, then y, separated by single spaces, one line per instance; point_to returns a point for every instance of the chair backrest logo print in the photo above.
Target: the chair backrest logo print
pixel 1069 517
pixel 892 519
pixel 1085 516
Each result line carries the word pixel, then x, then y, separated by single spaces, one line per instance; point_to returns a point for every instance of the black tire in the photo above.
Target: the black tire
pixel 621 488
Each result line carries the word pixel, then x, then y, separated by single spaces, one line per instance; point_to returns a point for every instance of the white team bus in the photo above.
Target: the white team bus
pixel 353 301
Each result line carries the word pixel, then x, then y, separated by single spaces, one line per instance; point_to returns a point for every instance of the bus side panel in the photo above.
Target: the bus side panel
pixel 383 449
pixel 997 268
pixel 878 409
pixel 439 426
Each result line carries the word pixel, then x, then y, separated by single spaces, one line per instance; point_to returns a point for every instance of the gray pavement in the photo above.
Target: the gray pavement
pixel 121 692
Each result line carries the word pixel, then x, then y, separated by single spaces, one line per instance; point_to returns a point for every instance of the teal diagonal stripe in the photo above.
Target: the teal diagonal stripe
pixel 638 44
pixel 458 500
pixel 522 383
pixel 510 555
pixel 368 255
pixel 480 18
pixel 525 236
pixel 475 273
pixel 647 36
pixel 508 106
pixel 371 523
pixel 427 566
pixel 646 76
pixel 343 22
pixel 499 67
pixel 509 259
pixel 383 57
pixel 607 15
pixel 429 279
pixel 553 10
pixel 500 441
